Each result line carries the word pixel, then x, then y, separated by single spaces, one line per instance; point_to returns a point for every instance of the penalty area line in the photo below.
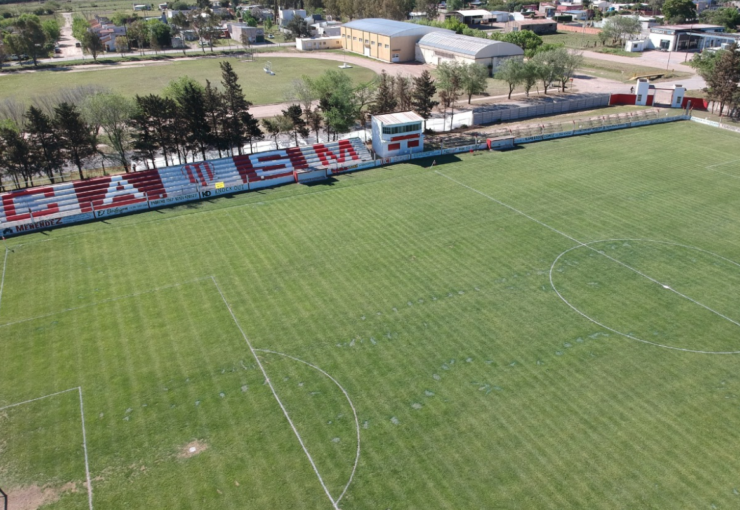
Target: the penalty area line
pixel 78 389
pixel 274 394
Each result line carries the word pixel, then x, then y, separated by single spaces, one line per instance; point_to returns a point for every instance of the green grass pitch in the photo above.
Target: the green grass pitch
pixel 437 298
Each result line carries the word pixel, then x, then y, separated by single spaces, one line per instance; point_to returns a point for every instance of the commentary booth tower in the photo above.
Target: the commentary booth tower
pixel 397 134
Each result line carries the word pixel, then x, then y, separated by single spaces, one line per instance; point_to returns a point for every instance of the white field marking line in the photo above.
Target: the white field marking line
pixel 593 249
pixel 35 399
pixel 354 412
pixel 109 300
pixel 631 337
pixel 274 393
pixel 84 435
pixel 725 163
pixel 84 445
pixel 511 208
pixel 2 280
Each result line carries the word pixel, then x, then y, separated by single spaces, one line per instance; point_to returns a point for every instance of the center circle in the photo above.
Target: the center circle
pixel 660 293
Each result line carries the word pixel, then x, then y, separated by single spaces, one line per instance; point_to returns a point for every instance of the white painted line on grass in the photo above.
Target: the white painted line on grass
pixel 110 300
pixel 627 335
pixel 78 389
pixel 509 207
pixel 725 163
pixel 2 280
pixel 84 445
pixel 587 245
pixel 35 399
pixel 274 393
pixel 354 412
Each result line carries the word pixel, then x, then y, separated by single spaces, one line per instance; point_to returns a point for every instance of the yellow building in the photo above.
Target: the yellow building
pixel 384 39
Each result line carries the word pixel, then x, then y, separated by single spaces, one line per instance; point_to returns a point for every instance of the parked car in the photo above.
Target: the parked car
pixel 57 49
pixel 78 45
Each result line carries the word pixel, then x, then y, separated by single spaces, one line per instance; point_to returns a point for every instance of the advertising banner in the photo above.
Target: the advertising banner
pixel 161 202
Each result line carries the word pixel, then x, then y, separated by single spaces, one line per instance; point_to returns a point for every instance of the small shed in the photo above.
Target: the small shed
pixel 397 134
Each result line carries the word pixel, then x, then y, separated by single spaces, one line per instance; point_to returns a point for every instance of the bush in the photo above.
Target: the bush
pixel 7 15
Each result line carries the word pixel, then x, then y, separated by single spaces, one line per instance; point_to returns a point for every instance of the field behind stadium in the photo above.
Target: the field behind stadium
pixel 550 327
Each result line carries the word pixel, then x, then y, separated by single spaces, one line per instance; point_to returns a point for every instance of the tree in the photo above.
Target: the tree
pixel 729 17
pixel 403 88
pixel 121 44
pixel 159 34
pixel 216 114
pixel 74 135
pixel 529 76
pixel 138 32
pixel 473 79
pixel 246 43
pixel 16 155
pixel 52 31
pixel 722 81
pixel 192 115
pixel 298 27
pixel 28 37
pixel 144 123
pixel 294 118
pixel 315 122
pixel 526 40
pixel 679 11
pixel 546 64
pixel 239 124
pixel 276 126
pixel 112 113
pixel 512 72
pixel 92 43
pixel 429 7
pixel 80 26
pixel 566 64
pixel 42 138
pixel 449 78
pixel 422 99
pixel 363 100
pixel 385 98
pixel 336 100
pixel 302 92
pixel 178 24
pixel 619 28
pixel 454 5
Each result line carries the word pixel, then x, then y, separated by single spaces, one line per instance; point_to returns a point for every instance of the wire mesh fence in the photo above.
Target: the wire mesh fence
pixel 599 121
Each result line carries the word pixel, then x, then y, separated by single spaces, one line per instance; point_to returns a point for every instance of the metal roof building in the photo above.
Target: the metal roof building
pixel 436 48
pixel 386 40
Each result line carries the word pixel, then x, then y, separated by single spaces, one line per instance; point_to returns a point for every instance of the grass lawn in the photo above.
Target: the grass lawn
pixel 258 86
pixel 572 40
pixel 623 72
pixel 436 298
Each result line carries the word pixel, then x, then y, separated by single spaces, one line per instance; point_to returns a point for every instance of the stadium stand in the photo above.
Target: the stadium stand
pixel 75 201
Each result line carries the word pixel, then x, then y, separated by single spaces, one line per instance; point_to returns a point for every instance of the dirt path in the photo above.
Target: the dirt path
pixel 67 41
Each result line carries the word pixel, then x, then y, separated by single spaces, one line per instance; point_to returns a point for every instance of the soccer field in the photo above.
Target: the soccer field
pixel 555 326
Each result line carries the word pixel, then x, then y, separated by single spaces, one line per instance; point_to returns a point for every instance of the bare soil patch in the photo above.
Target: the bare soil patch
pixel 33 496
pixel 192 448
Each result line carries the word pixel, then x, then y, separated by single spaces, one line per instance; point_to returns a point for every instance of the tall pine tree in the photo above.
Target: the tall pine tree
pixel 422 98
pixel 239 125
pixel 44 142
pixel 74 135
pixel 385 99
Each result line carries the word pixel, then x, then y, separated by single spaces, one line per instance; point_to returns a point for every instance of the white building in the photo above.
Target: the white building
pixel 397 134
pixel 438 47
pixel 285 16
pixel 318 43
pixel 681 37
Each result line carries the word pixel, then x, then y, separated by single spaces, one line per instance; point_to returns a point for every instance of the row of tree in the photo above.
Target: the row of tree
pixel 184 123
pixel 555 66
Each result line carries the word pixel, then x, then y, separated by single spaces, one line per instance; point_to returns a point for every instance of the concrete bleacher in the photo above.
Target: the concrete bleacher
pixel 271 168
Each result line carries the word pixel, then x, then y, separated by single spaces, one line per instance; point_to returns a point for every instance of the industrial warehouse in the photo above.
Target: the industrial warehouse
pixel 398 41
